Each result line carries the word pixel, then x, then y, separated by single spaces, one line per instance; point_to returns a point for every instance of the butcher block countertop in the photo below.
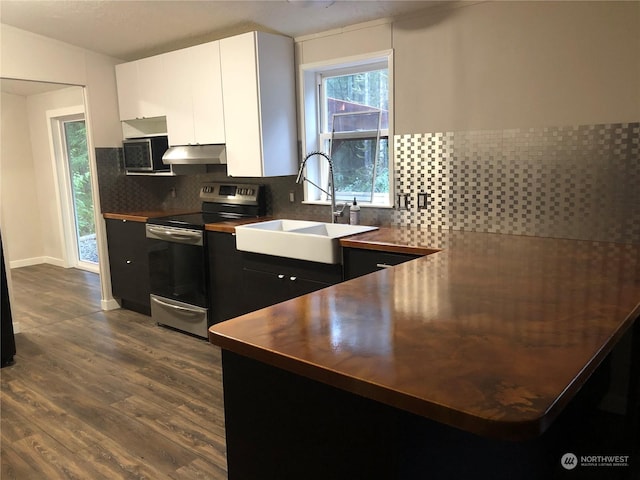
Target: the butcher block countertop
pixel 142 215
pixel 493 334
pixel 397 240
pixel 229 226
pixel 387 239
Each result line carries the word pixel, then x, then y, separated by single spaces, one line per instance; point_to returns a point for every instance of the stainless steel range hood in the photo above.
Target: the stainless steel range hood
pixel 195 155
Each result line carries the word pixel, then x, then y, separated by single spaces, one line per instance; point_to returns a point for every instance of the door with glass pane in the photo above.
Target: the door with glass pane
pixel 77 160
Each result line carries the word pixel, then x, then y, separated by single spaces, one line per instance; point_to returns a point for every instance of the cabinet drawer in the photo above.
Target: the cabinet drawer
pixel 358 262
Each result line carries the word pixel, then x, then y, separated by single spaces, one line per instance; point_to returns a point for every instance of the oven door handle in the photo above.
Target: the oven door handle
pixel 176 307
pixel 174 236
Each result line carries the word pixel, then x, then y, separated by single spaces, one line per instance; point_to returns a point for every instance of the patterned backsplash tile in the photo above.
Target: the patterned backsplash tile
pixel 120 192
pixel 569 182
pixel 577 182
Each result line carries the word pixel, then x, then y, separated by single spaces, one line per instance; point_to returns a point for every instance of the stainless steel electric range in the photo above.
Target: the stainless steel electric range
pixel 177 254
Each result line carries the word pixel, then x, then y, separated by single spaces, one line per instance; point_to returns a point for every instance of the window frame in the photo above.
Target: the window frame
pixel 311 119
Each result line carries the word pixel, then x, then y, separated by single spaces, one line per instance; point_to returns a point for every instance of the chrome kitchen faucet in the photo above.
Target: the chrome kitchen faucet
pixel 334 212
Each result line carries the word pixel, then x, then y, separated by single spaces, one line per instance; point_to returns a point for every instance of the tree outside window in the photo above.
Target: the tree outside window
pixel 355 129
pixel 76 140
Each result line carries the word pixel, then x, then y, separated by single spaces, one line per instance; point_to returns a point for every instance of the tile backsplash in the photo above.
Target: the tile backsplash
pixel 577 182
pixel 120 192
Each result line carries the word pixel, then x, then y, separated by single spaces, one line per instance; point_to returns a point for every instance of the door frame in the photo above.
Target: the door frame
pixel 64 194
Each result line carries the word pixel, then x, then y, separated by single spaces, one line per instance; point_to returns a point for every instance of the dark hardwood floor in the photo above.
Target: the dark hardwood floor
pixel 104 394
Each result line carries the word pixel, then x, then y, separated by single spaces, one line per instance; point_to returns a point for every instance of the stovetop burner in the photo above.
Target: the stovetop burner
pixel 221 201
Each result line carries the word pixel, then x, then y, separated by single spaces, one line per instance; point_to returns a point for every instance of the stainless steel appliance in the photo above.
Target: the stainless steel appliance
pixel 145 154
pixel 195 155
pixel 177 254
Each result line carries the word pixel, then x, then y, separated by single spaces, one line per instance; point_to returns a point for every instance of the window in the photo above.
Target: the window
pixel 347 116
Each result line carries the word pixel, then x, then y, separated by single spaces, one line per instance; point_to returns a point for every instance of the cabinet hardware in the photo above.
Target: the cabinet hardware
pixel 383 265
pixel 280 277
pixel 293 279
pixel 176 308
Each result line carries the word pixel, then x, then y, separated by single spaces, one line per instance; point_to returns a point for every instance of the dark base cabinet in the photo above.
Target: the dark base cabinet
pixel 226 296
pixel 358 262
pixel 129 264
pixel 268 280
pixel 282 426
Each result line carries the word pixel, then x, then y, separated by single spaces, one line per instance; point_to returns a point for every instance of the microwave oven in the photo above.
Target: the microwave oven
pixel 145 154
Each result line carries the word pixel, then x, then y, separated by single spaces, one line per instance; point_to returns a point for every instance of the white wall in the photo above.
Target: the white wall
pixel 46 176
pixel 25 55
pixel 29 196
pixel 28 56
pixel 498 65
pixel 21 229
pixel 494 65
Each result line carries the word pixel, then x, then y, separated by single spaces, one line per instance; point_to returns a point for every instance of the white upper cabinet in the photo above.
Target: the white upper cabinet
pixel 141 91
pixel 127 80
pixel 239 91
pixel 258 84
pixel 194 95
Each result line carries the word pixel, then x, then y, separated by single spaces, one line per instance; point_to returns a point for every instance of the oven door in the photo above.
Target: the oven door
pixel 177 267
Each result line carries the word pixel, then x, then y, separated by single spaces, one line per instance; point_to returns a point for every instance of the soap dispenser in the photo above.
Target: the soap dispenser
pixel 354 213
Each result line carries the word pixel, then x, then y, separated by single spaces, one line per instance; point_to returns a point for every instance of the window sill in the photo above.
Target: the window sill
pixel 362 205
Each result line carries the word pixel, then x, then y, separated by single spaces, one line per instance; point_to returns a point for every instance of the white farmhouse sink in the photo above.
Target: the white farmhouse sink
pixel 303 240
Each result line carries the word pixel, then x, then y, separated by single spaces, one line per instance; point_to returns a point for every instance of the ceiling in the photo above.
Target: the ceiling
pixel 131 29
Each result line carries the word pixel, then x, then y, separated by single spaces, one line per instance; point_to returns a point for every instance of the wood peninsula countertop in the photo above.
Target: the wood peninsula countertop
pixel 494 334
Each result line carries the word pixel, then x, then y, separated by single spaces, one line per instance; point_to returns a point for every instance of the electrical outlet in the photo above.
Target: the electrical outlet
pixel 403 201
pixel 292 196
pixel 422 201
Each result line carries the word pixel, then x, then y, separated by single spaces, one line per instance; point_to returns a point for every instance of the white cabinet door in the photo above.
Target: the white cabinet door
pixel 259 104
pixel 207 94
pixel 179 98
pixel 141 92
pixel 194 95
pixel 151 87
pixel 127 82
pixel 241 106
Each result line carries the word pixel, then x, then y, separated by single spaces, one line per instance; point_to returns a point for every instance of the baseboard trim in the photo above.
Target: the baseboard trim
pixel 27 262
pixel 110 304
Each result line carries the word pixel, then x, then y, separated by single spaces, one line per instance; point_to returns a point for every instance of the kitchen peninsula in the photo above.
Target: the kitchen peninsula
pixel 463 363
